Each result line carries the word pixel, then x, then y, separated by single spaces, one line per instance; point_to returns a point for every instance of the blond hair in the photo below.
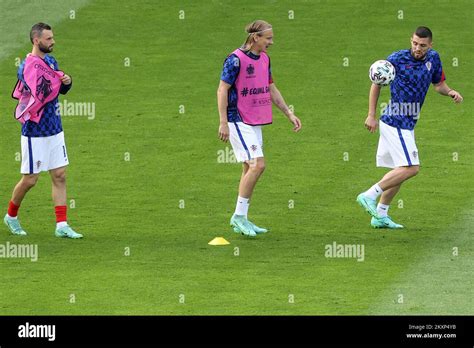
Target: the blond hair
pixel 254 29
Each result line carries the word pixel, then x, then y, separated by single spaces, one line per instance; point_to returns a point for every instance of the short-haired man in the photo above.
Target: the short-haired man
pixel 416 69
pixel 42 143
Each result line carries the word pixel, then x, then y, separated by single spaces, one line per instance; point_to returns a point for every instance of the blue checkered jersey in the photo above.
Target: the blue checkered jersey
pixel 230 72
pixel 50 123
pixel 408 90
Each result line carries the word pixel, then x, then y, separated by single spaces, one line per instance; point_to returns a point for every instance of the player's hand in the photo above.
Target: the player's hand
pixel 296 122
pixel 224 132
pixel 66 79
pixel 456 96
pixel 371 124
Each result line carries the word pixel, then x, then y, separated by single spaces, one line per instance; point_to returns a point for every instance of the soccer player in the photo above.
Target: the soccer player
pixel 42 145
pixel 244 97
pixel 416 69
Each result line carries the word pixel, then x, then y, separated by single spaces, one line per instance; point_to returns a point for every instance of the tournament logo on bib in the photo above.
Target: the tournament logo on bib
pixel 250 69
pixel 428 65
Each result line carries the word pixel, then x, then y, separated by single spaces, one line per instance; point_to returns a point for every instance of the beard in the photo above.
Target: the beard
pixel 45 49
pixel 422 57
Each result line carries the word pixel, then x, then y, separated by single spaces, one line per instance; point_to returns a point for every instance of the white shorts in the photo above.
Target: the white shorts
pixel 397 147
pixel 246 141
pixel 40 154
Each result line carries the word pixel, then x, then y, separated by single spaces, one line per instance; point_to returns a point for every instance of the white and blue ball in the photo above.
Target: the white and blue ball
pixel 382 73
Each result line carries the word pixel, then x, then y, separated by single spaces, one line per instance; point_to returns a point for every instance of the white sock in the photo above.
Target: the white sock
pixel 61 224
pixel 382 209
pixel 242 206
pixel 374 192
pixel 12 217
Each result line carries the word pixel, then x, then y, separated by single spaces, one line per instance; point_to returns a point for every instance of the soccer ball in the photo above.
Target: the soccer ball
pixel 382 72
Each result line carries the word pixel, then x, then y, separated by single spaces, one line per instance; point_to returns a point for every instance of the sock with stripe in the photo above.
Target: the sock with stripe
pixel 382 209
pixel 242 206
pixel 374 192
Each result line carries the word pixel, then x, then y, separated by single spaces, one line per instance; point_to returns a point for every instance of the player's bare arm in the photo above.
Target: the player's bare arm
pixel 278 100
pixel 443 89
pixel 222 101
pixel 371 122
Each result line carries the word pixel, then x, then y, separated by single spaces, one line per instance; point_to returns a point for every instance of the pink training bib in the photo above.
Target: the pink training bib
pixel 254 101
pixel 42 86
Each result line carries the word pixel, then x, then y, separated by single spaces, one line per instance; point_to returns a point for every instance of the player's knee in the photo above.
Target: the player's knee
pixel 245 168
pixel 59 176
pixel 258 166
pixel 413 170
pixel 30 180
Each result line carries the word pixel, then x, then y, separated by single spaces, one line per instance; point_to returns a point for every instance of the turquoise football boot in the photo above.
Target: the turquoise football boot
pixel 67 232
pixel 14 226
pixel 385 222
pixel 242 225
pixel 258 230
pixel 370 205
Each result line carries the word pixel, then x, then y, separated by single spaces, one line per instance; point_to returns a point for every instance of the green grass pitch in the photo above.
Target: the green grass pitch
pixel 149 192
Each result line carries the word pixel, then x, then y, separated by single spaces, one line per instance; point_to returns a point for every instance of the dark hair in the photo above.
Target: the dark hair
pixel 37 29
pixel 424 32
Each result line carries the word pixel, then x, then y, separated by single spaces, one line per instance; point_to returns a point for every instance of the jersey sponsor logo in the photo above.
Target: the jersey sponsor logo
pixel 43 88
pixel 37 66
pixel 261 102
pixel 428 65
